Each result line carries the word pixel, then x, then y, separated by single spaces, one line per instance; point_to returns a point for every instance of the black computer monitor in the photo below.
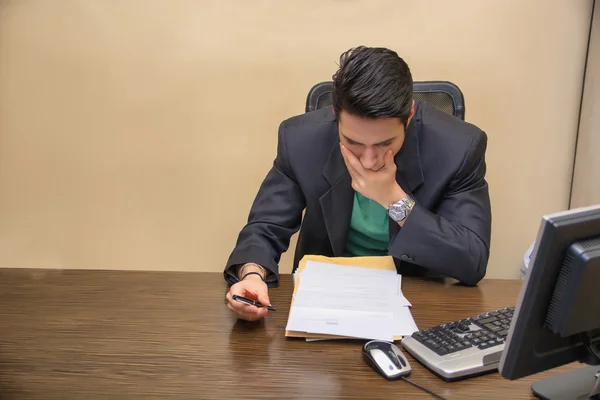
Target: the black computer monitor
pixel 557 317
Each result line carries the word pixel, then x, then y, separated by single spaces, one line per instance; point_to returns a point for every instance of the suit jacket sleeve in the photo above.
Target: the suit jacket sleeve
pixel 455 239
pixel 275 216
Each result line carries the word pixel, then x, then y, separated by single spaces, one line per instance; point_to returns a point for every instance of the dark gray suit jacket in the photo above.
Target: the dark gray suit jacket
pixel 441 164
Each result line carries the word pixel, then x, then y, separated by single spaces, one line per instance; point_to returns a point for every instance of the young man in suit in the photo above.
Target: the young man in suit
pixel 376 174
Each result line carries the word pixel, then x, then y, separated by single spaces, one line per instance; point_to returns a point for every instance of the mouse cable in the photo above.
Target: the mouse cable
pixel 423 388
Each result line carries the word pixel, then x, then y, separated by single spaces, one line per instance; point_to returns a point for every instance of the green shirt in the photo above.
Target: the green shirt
pixel 369 228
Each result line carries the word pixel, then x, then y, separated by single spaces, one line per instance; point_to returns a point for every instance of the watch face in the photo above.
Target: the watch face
pixel 397 212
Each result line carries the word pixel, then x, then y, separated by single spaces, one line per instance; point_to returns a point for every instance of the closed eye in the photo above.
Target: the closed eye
pixel 353 143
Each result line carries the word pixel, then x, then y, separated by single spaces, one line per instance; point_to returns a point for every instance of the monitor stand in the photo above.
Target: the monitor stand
pixel 581 384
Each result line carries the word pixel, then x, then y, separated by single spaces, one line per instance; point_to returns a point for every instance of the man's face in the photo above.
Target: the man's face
pixel 369 139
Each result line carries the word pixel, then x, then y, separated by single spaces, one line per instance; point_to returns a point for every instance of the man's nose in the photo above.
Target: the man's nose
pixel 368 158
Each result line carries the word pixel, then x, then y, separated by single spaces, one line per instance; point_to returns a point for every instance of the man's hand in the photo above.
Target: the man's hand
pixel 380 185
pixel 252 287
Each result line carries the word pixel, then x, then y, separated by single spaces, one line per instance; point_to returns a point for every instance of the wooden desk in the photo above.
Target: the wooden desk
pixel 141 335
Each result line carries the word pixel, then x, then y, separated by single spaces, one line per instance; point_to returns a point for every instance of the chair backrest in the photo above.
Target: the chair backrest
pixel 445 96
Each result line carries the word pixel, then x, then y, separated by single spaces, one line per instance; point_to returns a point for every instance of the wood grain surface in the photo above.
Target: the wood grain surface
pixel 159 335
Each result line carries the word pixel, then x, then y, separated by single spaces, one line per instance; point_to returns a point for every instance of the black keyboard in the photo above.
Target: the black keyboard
pixel 482 331
pixel 464 348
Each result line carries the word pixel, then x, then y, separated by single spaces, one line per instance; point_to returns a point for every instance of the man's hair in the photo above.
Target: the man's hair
pixel 373 82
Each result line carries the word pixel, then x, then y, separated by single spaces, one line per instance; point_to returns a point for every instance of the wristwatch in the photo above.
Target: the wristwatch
pixel 400 209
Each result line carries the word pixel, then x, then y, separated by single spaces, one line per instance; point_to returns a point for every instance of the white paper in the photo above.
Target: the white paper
pixel 364 325
pixel 350 301
pixel 321 275
pixel 404 324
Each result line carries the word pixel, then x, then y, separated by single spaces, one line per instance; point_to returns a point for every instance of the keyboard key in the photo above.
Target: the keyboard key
pixel 494 313
pixel 467 343
pixel 497 323
pixel 431 344
pixel 487 320
pixel 488 344
pixel 459 346
pixel 503 333
pixel 451 349
pixel 463 327
pixel 418 337
pixel 442 351
pixel 493 327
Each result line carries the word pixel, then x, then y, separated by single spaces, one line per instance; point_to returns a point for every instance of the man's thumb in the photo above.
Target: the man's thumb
pixel 263 298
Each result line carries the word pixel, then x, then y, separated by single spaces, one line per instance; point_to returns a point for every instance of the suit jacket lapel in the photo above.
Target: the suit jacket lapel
pixel 336 203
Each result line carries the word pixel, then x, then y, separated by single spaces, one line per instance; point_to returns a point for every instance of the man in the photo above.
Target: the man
pixel 379 174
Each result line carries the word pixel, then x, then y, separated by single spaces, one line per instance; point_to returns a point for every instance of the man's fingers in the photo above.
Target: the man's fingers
pixel 233 304
pixel 350 158
pixel 353 174
pixel 389 159
pixel 251 317
pixel 357 179
pixel 352 162
pixel 247 312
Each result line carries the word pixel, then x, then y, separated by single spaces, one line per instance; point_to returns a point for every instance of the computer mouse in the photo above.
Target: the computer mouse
pixel 387 359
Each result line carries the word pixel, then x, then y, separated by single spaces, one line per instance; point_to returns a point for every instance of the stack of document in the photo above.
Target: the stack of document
pixel 349 301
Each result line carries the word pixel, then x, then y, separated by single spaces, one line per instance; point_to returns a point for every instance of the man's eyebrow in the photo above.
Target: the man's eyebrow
pixel 350 140
pixel 387 141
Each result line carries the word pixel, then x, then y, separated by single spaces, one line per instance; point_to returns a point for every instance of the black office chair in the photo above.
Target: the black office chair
pixel 445 96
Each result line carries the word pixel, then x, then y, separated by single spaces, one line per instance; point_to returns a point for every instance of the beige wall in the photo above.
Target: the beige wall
pixel 586 179
pixel 134 134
